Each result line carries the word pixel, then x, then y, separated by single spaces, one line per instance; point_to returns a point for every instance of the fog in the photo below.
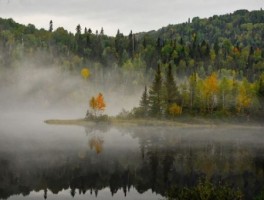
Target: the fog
pixel 35 157
pixel 50 90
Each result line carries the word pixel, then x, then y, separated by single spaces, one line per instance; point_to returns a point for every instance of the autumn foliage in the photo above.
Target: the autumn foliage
pixel 97 104
pixel 219 93
pixel 85 73
pixel 210 91
pixel 96 143
pixel 175 110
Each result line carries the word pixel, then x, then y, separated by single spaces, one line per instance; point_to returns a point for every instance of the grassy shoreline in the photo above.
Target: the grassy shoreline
pixel 180 122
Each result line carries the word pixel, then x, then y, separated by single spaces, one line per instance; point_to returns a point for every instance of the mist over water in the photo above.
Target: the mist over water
pixel 107 162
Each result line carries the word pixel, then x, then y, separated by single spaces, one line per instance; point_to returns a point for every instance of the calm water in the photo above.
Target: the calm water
pixel 39 161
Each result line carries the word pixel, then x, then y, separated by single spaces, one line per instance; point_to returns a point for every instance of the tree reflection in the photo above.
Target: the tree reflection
pixel 95 135
pixel 161 160
pixel 96 143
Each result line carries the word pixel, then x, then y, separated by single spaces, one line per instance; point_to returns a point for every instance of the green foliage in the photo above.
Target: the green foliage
pixel 155 95
pixel 261 85
pixel 195 50
pixel 260 196
pixel 144 103
pixel 231 41
pixel 205 190
pixel 210 95
pixel 172 93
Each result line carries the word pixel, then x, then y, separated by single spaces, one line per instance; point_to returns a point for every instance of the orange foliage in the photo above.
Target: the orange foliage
pixel 210 90
pixel 97 103
pixel 100 102
pixel 97 144
pixel 211 85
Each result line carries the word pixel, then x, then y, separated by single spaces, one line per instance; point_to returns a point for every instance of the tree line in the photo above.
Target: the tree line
pixel 232 41
pixel 219 93
pixel 205 65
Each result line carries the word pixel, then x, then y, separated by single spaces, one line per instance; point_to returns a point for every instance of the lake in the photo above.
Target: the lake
pixel 40 161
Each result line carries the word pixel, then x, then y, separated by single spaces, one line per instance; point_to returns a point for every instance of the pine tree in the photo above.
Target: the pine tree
pixel 144 103
pixel 131 44
pixel 172 93
pixel 102 31
pixel 51 26
pixel 261 85
pixel 155 100
pixel 78 29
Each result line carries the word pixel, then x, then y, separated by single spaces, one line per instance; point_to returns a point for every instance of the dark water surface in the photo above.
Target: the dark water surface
pixel 39 161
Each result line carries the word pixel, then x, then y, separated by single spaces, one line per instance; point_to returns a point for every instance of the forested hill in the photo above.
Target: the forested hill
pixel 232 41
pixel 241 27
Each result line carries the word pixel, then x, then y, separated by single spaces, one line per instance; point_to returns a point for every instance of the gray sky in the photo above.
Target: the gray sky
pixel 135 15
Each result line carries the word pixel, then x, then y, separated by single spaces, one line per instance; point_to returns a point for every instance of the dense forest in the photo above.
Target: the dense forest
pixel 203 65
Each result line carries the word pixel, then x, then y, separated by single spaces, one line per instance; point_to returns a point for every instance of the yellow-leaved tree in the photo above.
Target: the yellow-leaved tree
pixel 93 105
pixel 175 110
pixel 210 90
pixel 244 96
pixel 85 73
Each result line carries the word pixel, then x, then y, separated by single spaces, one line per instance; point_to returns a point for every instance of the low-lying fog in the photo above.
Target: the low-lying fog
pixel 52 92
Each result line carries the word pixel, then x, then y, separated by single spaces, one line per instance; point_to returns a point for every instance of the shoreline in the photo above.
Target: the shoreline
pixel 192 122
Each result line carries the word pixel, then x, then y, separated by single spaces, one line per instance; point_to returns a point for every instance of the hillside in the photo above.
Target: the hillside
pixel 202 66
pixel 242 26
pixel 233 40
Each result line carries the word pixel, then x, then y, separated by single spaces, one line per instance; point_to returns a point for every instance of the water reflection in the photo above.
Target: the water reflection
pixel 140 158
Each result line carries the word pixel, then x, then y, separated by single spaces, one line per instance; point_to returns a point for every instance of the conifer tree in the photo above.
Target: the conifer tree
pixel 261 85
pixel 172 93
pixel 144 103
pixel 155 100
pixel 51 26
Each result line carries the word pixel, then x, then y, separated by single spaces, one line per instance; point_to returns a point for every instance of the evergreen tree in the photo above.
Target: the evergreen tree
pixel 131 44
pixel 144 103
pixel 78 29
pixel 155 100
pixel 172 93
pixel 79 42
pixel 90 31
pixel 102 31
pixel 250 62
pixel 51 26
pixel 261 85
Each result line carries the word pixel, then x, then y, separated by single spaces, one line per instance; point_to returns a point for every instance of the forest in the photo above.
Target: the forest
pixel 203 66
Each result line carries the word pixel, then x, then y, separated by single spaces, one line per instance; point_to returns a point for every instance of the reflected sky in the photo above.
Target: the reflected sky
pixel 110 161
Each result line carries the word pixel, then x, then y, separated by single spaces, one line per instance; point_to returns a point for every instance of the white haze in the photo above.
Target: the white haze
pixel 51 92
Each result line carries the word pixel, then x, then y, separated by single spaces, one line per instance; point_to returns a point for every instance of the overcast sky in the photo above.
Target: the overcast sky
pixel 126 15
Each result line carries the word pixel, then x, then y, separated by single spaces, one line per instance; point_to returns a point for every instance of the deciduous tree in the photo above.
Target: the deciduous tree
pixel 97 104
pixel 210 90
pixel 175 109
pixel 85 73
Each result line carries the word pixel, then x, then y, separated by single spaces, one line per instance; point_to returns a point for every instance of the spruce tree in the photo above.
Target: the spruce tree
pixel 144 103
pixel 155 100
pixel 51 26
pixel 172 93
